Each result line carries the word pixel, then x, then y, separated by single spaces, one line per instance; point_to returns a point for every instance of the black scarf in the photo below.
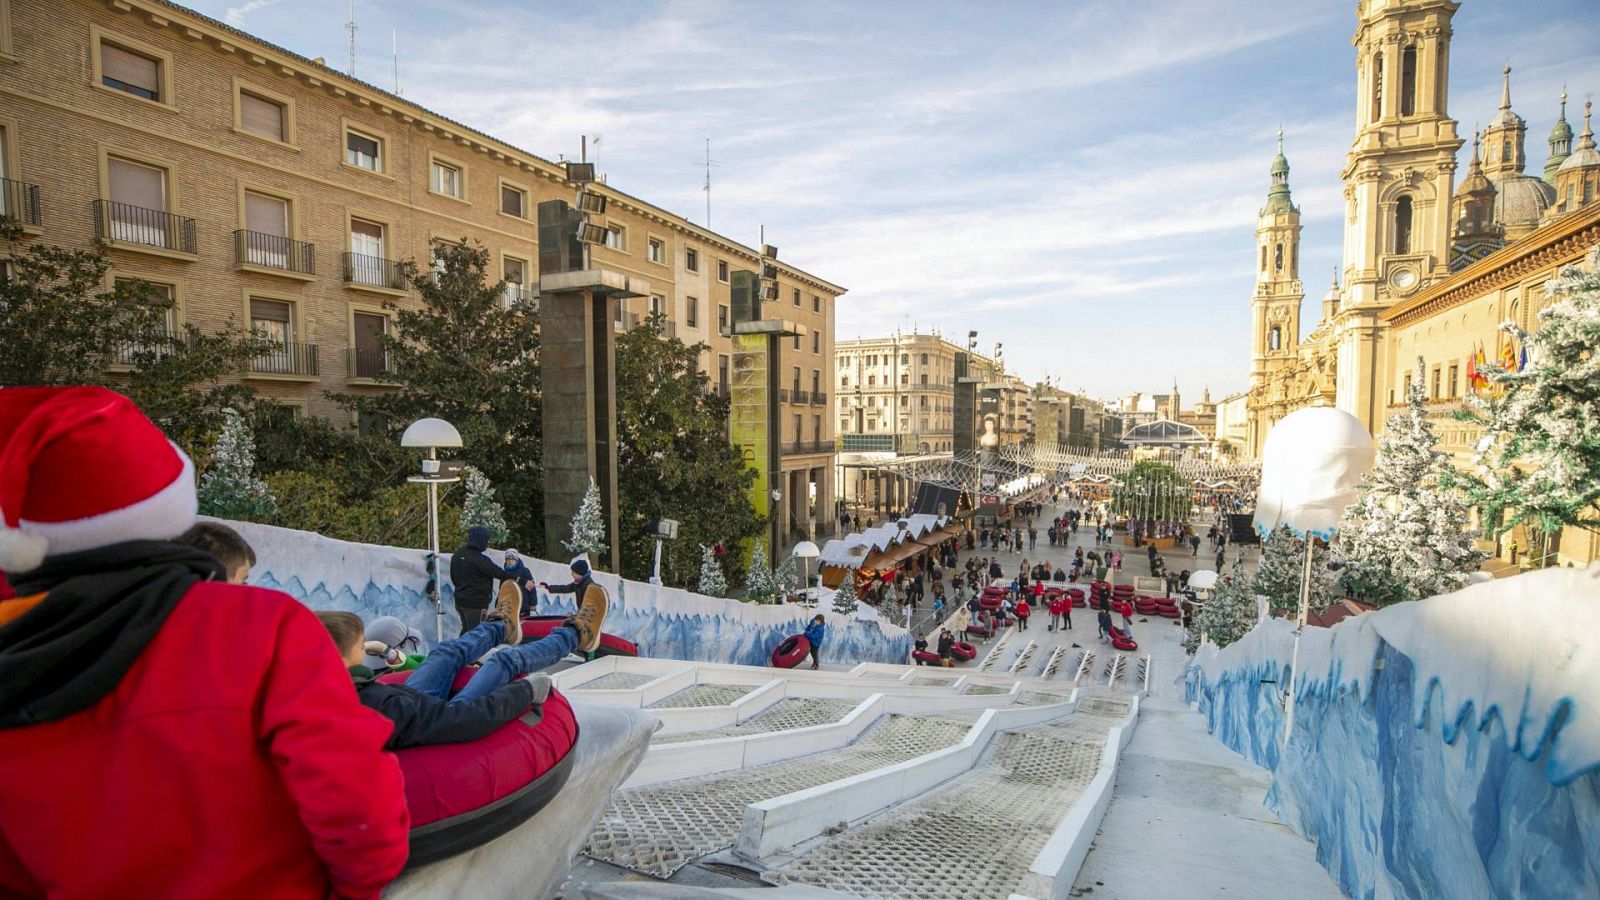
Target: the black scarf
pixel 102 607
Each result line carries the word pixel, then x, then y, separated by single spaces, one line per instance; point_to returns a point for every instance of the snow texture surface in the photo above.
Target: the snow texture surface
pixel 671 623
pixel 1443 748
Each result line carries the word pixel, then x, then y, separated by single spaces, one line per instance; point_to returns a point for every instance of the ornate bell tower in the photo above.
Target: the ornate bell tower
pixel 1398 182
pixel 1276 304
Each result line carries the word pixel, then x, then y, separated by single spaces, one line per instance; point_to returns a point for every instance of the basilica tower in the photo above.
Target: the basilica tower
pixel 1275 308
pixel 1398 182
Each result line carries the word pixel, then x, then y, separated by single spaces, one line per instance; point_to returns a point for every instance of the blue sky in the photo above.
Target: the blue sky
pixel 1079 180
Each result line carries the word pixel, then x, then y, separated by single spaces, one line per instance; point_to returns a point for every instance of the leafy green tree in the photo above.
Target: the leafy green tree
pixel 1153 490
pixel 63 327
pixel 395 516
pixel 467 356
pixel 674 459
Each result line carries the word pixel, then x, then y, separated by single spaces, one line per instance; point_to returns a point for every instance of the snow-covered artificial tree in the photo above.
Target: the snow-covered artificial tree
pixel 787 576
pixel 1538 462
pixel 588 528
pixel 759 585
pixel 1229 614
pixel 1283 562
pixel 844 599
pixel 1406 538
pixel 712 582
pixel 480 506
pixel 230 489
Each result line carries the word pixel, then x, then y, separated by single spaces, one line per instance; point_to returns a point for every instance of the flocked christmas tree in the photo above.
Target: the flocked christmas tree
pixel 787 576
pixel 1538 462
pixel 480 506
pixel 844 599
pixel 759 585
pixel 712 582
pixel 230 489
pixel 1407 537
pixel 1229 614
pixel 588 528
pixel 1283 562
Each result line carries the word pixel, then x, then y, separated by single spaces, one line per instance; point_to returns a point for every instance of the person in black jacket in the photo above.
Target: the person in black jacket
pixel 473 574
pixel 517 571
pixel 422 709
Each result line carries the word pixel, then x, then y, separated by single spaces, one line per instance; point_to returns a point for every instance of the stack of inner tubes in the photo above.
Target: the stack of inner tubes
pixel 990 602
pixel 1076 595
pixel 963 651
pixel 1146 606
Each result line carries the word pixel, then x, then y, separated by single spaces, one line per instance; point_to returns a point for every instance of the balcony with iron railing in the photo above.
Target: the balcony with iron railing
pixel 368 364
pixel 158 344
pixel 819 398
pixel 19 201
pixel 373 272
pixel 807 448
pixel 514 294
pixel 289 359
pixel 270 251
pixel 801 398
pixel 135 226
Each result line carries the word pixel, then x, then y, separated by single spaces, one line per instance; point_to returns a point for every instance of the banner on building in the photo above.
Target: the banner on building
pixel 749 414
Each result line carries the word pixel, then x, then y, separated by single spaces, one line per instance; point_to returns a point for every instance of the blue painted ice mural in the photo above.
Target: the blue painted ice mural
pixel 373 581
pixel 1448 748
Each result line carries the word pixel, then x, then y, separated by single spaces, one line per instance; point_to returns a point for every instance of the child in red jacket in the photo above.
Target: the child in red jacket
pixel 145 749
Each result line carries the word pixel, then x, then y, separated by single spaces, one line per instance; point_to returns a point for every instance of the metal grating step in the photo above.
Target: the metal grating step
pixel 974 837
pixel 702 695
pixel 784 715
pixel 616 681
pixel 659 829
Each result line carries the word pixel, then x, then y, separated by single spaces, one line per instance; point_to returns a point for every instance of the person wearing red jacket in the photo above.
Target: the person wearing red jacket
pixel 1057 605
pixel 1124 608
pixel 163 733
pixel 1023 611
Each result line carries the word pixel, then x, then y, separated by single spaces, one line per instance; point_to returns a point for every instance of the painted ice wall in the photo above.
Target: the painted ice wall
pixel 374 581
pixel 1444 748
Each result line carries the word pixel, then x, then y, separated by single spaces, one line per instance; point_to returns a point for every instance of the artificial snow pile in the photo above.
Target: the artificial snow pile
pixel 1378 773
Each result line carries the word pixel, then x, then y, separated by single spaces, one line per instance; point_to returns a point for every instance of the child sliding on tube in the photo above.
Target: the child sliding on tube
pixel 422 709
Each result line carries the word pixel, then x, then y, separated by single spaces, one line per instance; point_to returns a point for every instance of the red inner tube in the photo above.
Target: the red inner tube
pixel 610 645
pixel 925 655
pixel 790 651
pixel 464 795
pixel 990 603
pixel 1170 612
pixel 1125 645
pixel 963 650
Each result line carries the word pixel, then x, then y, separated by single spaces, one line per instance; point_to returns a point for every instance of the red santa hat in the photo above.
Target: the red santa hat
pixel 80 468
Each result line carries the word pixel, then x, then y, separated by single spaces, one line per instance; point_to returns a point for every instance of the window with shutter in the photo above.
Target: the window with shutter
pixel 273 318
pixel 363 152
pixel 138 195
pixel 262 117
pixel 369 328
pixel 267 221
pixel 133 73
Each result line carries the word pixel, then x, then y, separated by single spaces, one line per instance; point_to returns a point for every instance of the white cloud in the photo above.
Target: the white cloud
pixel 235 15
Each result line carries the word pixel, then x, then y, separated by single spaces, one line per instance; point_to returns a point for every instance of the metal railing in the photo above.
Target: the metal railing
pixel 272 251
pixel 20 201
pixel 513 294
pixel 373 271
pixel 801 398
pixel 806 448
pixel 368 363
pixel 159 344
pixel 288 358
pixel 783 395
pixel 147 227
pixel 819 398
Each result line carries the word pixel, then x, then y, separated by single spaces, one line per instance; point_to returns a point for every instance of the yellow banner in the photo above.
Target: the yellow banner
pixel 749 415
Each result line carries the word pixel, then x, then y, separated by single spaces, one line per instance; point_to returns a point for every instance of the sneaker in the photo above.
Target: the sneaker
pixel 590 616
pixel 507 605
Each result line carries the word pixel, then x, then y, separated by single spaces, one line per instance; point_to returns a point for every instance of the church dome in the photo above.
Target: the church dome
pixel 1523 200
pixel 1585 155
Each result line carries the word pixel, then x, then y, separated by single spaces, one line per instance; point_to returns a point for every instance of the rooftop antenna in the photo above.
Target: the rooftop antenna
pixel 394 40
pixel 708 182
pixel 350 27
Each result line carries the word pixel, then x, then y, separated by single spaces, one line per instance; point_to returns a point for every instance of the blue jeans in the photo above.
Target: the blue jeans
pixel 438 671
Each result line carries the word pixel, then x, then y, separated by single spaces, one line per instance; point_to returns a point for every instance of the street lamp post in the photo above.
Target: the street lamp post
pixel 431 434
pixel 806 551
